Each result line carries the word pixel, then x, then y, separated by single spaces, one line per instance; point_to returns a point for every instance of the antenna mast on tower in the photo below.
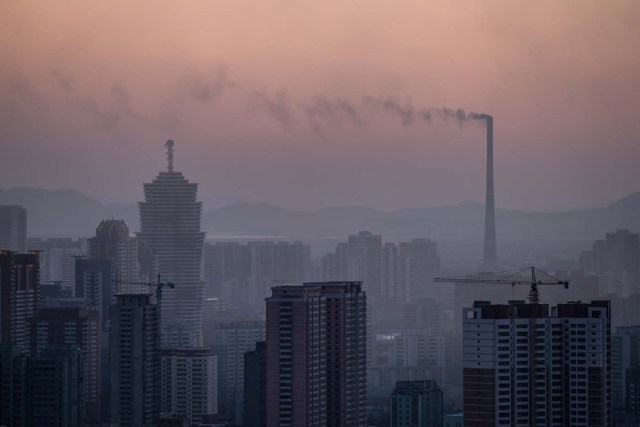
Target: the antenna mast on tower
pixel 169 144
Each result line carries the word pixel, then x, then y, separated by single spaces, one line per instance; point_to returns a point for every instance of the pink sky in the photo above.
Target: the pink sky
pixel 89 92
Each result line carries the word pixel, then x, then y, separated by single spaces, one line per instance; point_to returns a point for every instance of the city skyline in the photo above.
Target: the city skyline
pixel 221 100
pixel 320 214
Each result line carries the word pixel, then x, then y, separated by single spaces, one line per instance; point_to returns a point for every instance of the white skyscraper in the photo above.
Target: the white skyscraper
pixel 170 228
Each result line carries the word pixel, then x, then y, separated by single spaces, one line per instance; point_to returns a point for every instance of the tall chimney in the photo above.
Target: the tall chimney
pixel 490 247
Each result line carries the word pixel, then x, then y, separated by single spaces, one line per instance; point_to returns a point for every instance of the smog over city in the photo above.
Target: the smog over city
pixel 338 213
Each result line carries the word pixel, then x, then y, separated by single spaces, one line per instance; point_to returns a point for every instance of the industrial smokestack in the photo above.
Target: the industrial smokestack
pixel 490 247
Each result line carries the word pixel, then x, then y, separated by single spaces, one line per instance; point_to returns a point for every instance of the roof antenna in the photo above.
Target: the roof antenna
pixel 169 144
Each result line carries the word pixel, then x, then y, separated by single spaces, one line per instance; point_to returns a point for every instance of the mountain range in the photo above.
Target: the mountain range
pixel 72 213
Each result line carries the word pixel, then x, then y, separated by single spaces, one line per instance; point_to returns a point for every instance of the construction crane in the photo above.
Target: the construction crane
pixel 511 277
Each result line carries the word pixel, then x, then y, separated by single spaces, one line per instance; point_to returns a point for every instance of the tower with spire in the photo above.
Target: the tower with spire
pixel 170 228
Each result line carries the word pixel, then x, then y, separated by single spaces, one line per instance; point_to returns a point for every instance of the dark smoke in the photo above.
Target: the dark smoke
pixel 320 109
pixel 65 81
pixel 460 115
pixel 392 106
pixel 207 89
pixel 276 107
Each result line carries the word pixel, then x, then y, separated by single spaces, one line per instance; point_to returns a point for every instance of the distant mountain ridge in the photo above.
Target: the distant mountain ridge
pixel 72 213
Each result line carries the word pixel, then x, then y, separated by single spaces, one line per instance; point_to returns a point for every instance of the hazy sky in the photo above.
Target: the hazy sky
pixel 280 100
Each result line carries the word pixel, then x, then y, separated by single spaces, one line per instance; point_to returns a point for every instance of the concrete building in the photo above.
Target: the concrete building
pixel 134 361
pixel 317 355
pixel 616 261
pixel 346 364
pixel 13 228
pixel 109 234
pixel 296 357
pixel 15 394
pixel 46 389
pixel 231 341
pixel 58 260
pixel 170 228
pixel 418 266
pixel 359 259
pixel 95 284
pixel 243 273
pixel 416 404
pixel 112 242
pixel 632 399
pixel 188 386
pixel 255 386
pixel 391 273
pixel 80 329
pixel 57 387
pixel 523 365
pixel 625 358
pixel 19 283
pixel 454 420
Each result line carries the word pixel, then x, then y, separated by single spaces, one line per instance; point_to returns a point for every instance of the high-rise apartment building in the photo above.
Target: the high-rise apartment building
pixel 317 355
pixel 112 242
pixel 57 387
pixel 231 340
pixel 134 361
pixel 188 384
pixel 393 271
pixel 359 259
pixel 625 359
pixel 296 357
pixel 46 389
pixel 109 234
pixel 58 260
pixel 255 386
pixel 391 287
pixel 79 328
pixel 243 273
pixel 13 228
pixel 524 366
pixel 632 399
pixel 19 282
pixel 170 228
pixel 416 404
pixel 15 396
pixel 418 265
pixel 346 364
pixel 96 285
pixel 423 314
pixel 616 261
